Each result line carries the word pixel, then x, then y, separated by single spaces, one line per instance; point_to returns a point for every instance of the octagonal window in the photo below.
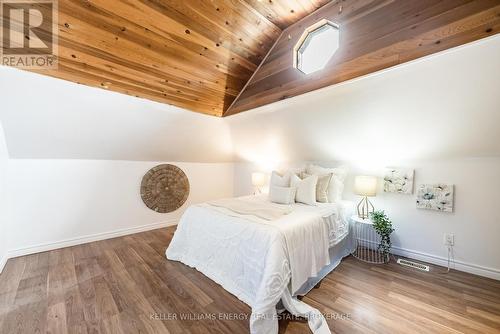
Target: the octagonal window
pixel 316 47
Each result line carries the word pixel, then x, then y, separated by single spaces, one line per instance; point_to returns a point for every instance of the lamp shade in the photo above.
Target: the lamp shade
pixel 365 185
pixel 258 179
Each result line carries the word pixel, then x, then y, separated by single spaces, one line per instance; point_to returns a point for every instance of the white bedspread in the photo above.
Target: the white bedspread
pixel 257 260
pixel 248 206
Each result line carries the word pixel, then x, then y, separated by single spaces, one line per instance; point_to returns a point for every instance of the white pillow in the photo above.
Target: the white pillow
pixel 340 172
pixel 297 171
pixel 335 189
pixel 321 186
pixel 282 195
pixel 292 170
pixel 336 186
pixel 280 180
pixel 306 189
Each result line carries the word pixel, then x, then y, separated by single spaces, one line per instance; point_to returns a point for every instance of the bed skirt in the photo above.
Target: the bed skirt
pixel 340 250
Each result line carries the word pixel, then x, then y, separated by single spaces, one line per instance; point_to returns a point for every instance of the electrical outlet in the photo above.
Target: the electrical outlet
pixel 449 239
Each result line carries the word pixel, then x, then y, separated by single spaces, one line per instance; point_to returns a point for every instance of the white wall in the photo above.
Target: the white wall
pixel 61 202
pixel 48 118
pixel 474 222
pixel 77 156
pixel 443 106
pixel 439 115
pixel 3 199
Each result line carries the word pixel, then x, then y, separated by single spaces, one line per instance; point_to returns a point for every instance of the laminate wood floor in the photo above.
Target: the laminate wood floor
pixel 126 285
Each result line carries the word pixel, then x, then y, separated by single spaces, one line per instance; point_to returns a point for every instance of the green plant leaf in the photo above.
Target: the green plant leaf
pixel 383 226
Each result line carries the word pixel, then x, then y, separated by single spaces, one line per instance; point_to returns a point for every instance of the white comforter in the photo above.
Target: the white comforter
pixel 257 260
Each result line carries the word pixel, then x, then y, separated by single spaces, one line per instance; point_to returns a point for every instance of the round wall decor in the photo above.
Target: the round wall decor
pixel 164 188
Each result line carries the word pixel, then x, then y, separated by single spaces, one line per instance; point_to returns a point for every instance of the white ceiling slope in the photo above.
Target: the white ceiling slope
pixel 47 118
pixel 443 106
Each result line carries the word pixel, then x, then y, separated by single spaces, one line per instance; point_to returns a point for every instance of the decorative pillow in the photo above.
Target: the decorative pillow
pixel 306 189
pixel 297 171
pixel 336 186
pixel 335 189
pixel 321 187
pixel 280 180
pixel 282 195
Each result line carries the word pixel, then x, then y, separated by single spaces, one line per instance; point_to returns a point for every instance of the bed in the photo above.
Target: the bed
pixel 264 253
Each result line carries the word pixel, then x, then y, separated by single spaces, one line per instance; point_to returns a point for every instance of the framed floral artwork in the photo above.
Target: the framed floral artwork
pixel 438 197
pixel 398 180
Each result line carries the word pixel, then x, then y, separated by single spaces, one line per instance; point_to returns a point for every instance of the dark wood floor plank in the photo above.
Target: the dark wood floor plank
pixel 126 285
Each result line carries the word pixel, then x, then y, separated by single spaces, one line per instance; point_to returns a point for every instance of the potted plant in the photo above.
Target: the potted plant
pixel 383 226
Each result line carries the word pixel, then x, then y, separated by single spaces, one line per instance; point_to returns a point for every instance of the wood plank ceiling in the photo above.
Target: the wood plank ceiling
pixel 374 35
pixel 215 57
pixel 195 54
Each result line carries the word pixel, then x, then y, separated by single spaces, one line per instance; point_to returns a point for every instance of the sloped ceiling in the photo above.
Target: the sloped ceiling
pixel 374 35
pixel 47 118
pixel 444 106
pixel 195 54
pixel 215 57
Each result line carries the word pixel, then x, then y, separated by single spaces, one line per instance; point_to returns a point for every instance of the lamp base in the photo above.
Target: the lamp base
pixel 365 207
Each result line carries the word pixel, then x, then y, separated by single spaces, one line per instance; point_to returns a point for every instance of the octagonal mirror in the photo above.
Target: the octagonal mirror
pixel 316 47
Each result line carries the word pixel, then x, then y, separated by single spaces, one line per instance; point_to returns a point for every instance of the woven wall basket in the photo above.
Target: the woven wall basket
pixel 164 188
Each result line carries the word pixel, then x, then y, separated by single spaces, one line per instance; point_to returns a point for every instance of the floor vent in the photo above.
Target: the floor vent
pixel 415 265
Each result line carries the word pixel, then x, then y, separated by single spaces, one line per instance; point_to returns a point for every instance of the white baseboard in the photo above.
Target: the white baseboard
pixel 438 260
pixel 441 261
pixel 85 239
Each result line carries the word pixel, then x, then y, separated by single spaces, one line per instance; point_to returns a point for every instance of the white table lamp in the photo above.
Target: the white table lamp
pixel 258 181
pixel 365 186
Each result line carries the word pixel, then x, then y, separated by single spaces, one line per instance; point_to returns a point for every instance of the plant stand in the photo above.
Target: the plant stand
pixel 366 241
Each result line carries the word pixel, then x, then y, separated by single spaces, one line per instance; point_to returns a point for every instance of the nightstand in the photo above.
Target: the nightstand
pixel 366 241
